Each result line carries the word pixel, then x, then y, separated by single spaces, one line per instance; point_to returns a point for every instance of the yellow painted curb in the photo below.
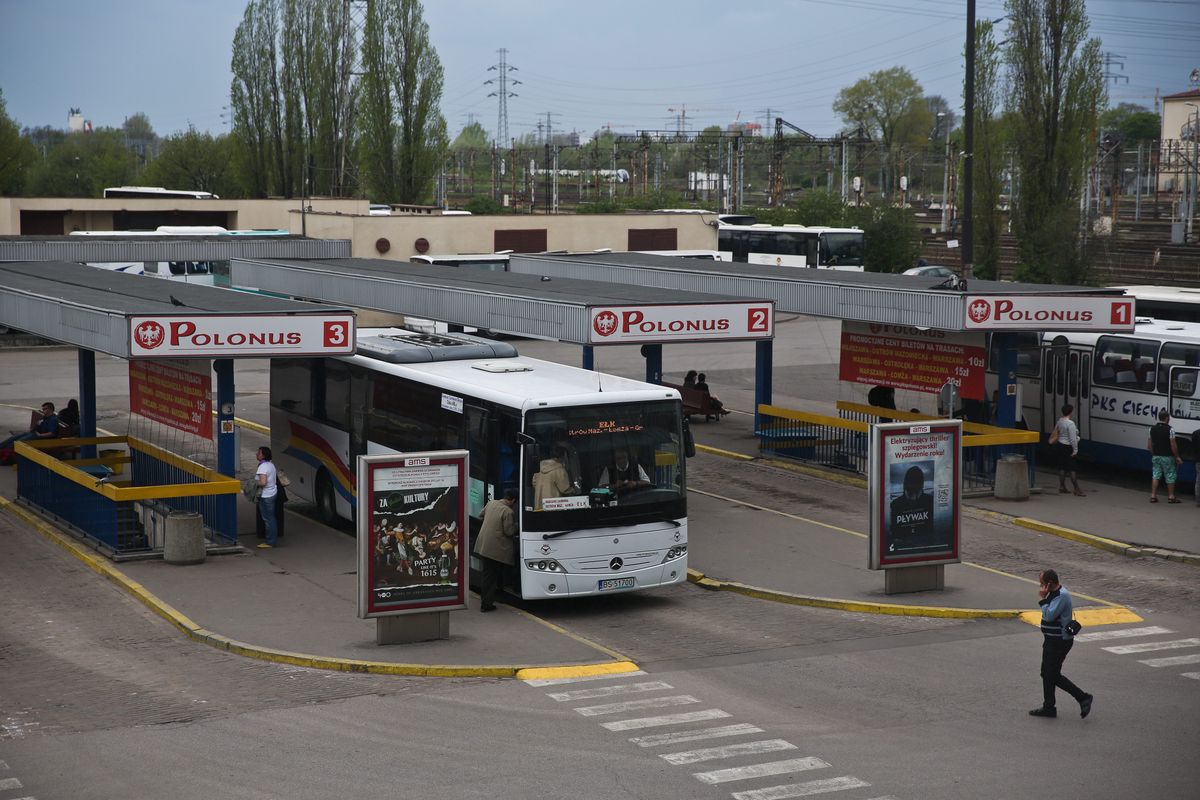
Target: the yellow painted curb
pixel 862 606
pixel 1111 545
pixel 1090 617
pixel 584 671
pixel 196 633
pixel 254 426
pixel 716 451
pixel 817 472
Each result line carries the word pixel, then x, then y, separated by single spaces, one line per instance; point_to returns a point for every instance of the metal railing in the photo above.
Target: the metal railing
pixel 842 442
pixel 121 498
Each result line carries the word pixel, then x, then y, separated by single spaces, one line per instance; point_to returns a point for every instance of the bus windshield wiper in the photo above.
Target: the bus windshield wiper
pixel 557 534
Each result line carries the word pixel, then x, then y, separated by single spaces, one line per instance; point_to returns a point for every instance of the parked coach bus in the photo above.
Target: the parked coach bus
pixel 407 391
pixel 1117 383
pixel 793 246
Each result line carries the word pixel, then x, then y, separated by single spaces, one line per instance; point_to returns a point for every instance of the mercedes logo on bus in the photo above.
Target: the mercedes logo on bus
pixel 615 564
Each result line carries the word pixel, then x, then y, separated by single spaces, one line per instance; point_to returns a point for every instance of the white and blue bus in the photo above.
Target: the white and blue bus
pixel 793 246
pixel 1117 383
pixel 208 273
pixel 406 391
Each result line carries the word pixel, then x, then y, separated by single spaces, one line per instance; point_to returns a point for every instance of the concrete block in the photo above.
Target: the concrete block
pixel 1012 478
pixel 183 542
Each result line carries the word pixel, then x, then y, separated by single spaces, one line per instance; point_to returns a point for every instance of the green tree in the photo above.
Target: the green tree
pixel 140 137
pixel 404 134
pixel 17 154
pixel 83 165
pixel 193 160
pixel 472 137
pixel 890 235
pixel 989 152
pixel 1056 85
pixel 890 106
pixel 1135 123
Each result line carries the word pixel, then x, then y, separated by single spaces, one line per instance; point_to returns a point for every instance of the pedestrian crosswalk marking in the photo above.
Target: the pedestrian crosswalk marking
pixel 10 783
pixel 608 691
pixel 665 719
pixel 727 751
pixel 1145 647
pixel 1172 661
pixel 760 770
pixel 632 705
pixel 806 789
pixel 581 678
pixel 679 737
pixel 1124 633
pixel 1192 675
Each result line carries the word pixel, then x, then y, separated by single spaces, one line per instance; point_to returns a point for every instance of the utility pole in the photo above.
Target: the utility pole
pixel 968 223
pixel 502 94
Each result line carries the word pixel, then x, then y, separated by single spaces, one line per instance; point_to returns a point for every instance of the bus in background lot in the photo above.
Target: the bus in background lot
pixel 405 391
pixel 208 273
pixel 1166 302
pixel 1117 384
pixel 157 193
pixel 792 246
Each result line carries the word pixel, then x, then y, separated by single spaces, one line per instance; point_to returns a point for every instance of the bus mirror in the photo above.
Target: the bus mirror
pixel 689 444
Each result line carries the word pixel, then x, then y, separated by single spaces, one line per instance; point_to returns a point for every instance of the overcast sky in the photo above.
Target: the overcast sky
pixel 624 63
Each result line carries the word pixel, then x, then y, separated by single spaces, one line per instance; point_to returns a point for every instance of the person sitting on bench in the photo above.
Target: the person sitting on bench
pixel 42 426
pixel 702 385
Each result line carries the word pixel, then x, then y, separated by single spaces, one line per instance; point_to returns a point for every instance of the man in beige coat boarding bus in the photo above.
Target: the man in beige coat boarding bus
pixel 496 546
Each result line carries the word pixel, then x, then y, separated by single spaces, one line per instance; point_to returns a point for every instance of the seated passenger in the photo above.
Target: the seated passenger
pixel 42 426
pixel 689 380
pixel 551 479
pixel 702 385
pixel 624 475
pixel 68 420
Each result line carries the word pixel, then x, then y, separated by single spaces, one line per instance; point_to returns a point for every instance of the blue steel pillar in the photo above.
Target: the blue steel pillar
pixel 763 360
pixel 589 357
pixel 653 355
pixel 87 400
pixel 1006 371
pixel 226 445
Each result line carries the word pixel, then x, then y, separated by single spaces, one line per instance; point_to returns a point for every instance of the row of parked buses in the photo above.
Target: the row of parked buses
pixel 207 273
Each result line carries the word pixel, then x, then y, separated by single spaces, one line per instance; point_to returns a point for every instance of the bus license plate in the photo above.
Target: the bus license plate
pixel 616 583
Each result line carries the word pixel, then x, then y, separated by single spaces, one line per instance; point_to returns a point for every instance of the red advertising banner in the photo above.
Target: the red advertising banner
pixel 910 358
pixel 175 393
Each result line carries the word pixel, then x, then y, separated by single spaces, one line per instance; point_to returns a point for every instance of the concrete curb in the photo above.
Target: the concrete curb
pixel 193 631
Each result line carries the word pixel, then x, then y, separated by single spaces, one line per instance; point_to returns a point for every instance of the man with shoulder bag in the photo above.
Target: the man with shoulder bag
pixel 1058 636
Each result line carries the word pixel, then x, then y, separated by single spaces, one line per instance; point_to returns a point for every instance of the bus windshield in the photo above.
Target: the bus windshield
pixel 597 465
pixel 841 249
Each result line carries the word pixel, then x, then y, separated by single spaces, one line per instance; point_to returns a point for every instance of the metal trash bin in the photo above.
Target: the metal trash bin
pixel 1012 478
pixel 184 542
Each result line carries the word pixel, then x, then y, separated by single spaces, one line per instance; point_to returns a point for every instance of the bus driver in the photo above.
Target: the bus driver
pixel 623 475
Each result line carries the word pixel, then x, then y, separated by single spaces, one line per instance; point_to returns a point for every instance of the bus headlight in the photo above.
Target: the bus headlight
pixel 678 551
pixel 545 565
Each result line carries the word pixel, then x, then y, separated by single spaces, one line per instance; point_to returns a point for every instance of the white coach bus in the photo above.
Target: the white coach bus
pixel 793 246
pixel 407 391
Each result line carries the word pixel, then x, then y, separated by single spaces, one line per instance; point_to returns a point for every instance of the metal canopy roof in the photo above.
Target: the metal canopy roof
pixel 522 305
pixel 85 249
pixel 89 307
pixel 858 296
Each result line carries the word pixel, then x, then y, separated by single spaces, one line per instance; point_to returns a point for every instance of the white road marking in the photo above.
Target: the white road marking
pixel 557 681
pixel 665 719
pixel 608 691
pixel 1145 647
pixel 807 789
pixel 633 705
pixel 760 770
pixel 679 737
pixel 1193 675
pixel 10 783
pixel 727 751
pixel 1172 661
pixel 3 765
pixel 1124 633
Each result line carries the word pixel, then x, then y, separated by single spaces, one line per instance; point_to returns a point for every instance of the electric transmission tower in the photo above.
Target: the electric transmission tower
pixel 502 92
pixel 350 31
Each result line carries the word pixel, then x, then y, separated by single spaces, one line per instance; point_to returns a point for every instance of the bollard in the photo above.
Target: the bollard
pixel 1012 478
pixel 184 539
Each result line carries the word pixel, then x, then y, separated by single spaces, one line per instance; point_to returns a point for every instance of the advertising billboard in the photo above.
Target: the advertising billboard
pixel 652 324
pixel 915 484
pixel 175 393
pixel 412 533
pixel 920 359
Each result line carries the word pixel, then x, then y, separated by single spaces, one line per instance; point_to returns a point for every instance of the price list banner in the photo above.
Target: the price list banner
pixel 910 358
pixel 412 533
pixel 175 393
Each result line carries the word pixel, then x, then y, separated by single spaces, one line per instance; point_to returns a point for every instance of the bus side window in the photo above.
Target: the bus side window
pixel 1073 376
pixel 1175 355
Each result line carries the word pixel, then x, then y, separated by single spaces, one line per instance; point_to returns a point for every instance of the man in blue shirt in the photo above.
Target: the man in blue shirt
pixel 45 428
pixel 1057 641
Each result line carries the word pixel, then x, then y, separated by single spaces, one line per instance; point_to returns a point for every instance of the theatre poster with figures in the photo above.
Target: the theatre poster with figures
pixel 412 533
pixel 915 485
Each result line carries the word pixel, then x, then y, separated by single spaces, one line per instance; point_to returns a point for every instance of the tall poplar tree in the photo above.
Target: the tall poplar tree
pixel 989 151
pixel 1056 87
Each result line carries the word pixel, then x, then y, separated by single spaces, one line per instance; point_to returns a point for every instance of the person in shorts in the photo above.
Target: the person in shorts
pixel 1164 457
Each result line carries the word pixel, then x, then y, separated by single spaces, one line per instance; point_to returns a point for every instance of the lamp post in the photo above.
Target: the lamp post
pixel 1191 199
pixel 945 168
